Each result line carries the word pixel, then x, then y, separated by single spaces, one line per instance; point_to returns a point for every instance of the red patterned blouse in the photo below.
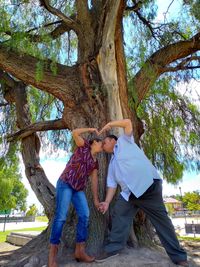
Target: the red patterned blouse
pixel 79 167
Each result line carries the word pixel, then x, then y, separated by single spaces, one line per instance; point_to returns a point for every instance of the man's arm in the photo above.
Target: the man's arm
pixel 126 124
pixel 76 135
pixel 94 186
pixel 103 206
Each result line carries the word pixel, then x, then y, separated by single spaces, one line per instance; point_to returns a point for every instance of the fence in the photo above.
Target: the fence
pixel 192 228
pixel 182 214
pixel 8 219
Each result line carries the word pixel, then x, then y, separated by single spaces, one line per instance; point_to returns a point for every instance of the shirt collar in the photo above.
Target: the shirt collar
pixel 115 148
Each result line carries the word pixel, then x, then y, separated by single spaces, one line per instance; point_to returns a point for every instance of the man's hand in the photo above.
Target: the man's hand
pixel 103 207
pixel 126 124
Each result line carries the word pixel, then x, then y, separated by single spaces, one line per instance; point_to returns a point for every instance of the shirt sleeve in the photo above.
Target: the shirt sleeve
pixel 86 143
pixel 127 138
pixel 110 178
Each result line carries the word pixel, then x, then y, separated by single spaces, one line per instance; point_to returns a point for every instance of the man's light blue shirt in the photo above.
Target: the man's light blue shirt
pixel 130 168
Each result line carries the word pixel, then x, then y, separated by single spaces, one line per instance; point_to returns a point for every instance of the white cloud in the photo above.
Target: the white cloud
pixel 189 183
pixel 191 90
pixel 172 9
pixel 53 167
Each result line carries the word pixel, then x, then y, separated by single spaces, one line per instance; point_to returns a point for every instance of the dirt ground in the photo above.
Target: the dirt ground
pixel 142 257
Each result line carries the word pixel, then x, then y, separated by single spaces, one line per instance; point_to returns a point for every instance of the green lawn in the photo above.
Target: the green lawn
pixel 187 238
pixel 41 219
pixel 4 234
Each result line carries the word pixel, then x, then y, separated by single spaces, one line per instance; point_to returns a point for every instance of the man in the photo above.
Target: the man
pixel 141 187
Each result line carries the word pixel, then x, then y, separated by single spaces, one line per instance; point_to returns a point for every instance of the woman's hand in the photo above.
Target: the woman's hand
pixel 76 134
pixel 107 127
pixel 93 130
pixel 103 207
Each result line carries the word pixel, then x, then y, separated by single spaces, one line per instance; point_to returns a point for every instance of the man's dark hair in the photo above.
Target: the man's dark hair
pixel 112 136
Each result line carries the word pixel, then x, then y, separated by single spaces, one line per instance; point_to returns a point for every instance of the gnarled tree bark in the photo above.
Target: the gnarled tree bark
pixel 93 91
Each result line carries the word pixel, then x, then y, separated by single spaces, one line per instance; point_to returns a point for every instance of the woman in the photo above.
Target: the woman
pixel 69 188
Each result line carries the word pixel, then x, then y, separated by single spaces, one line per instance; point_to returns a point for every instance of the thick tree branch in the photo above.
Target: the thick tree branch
pixel 82 9
pixel 30 146
pixel 37 127
pixel 122 77
pixel 158 63
pixel 7 79
pixel 184 65
pixel 57 32
pixel 145 22
pixel 64 85
pixel 136 9
pixel 45 25
pixel 183 68
pixel 68 21
pixel 84 17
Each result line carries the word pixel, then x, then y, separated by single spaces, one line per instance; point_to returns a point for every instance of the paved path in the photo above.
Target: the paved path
pixel 22 225
pixel 179 224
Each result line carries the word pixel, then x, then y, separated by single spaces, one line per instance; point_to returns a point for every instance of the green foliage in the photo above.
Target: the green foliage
pixel 41 219
pixel 12 191
pixel 194 8
pixel 22 28
pixel 4 234
pixel 7 201
pixel 39 71
pixel 170 208
pixel 171 139
pixel 41 104
pixel 32 210
pixel 192 200
pixel 171 121
pixel 188 238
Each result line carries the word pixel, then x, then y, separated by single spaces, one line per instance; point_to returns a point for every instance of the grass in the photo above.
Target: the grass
pixel 4 234
pixel 41 219
pixel 188 238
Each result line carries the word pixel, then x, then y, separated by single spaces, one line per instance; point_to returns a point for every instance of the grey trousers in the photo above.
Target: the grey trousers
pixel 151 202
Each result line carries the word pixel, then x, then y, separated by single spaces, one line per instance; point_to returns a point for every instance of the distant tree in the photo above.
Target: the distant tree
pixel 192 200
pixel 13 194
pixel 177 197
pixel 169 208
pixel 32 210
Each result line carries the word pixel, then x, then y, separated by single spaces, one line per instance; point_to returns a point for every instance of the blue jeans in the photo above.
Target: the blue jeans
pixel 65 194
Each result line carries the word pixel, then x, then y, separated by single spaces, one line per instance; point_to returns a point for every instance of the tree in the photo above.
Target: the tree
pixel 66 65
pixel 170 208
pixel 13 194
pixel 32 210
pixel 192 200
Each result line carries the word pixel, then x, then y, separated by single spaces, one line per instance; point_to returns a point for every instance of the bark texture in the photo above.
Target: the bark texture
pixel 93 92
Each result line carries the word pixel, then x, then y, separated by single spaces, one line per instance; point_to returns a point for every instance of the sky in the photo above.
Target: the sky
pixel 53 166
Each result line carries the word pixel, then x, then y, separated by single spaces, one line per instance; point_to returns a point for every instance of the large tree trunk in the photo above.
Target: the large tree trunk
pixel 93 92
pixel 100 95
